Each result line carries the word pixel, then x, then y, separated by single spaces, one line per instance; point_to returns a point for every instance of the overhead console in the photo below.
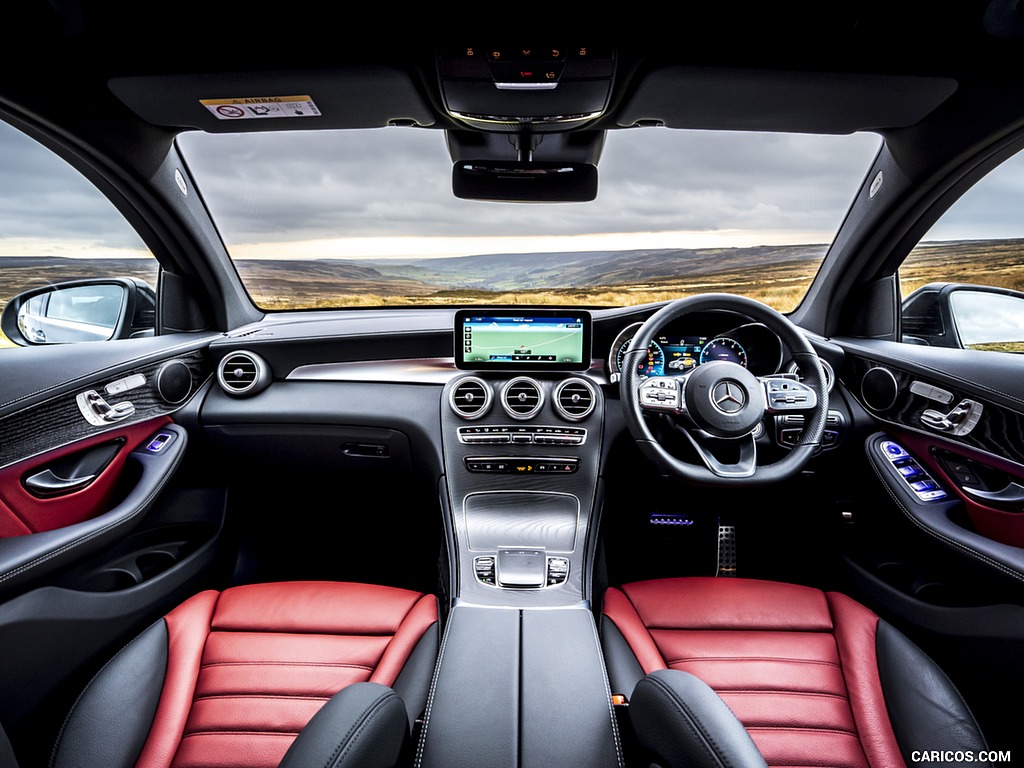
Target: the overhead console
pixel 522 436
pixel 543 87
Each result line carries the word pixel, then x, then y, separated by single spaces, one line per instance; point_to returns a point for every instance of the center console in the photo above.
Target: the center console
pixel 521 672
pixel 522 435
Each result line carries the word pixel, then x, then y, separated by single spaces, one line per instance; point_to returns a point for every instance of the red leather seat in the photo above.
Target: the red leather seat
pixel 230 678
pixel 815 677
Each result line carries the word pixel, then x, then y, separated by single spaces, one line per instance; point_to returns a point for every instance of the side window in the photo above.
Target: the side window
pixel 71 267
pixel 963 285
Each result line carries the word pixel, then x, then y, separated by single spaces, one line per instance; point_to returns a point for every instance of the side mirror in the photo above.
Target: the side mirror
pixel 964 316
pixel 81 310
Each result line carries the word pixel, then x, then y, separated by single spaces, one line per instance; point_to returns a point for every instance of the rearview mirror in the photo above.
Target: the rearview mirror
pixel 524 182
pixel 81 310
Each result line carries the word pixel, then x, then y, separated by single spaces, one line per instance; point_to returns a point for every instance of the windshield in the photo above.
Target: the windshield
pixel 367 218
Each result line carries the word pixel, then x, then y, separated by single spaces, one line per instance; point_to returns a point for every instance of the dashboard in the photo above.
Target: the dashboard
pixel 516 440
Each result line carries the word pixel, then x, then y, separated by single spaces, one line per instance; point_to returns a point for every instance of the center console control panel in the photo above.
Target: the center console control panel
pixel 526 465
pixel 522 454
pixel 518 435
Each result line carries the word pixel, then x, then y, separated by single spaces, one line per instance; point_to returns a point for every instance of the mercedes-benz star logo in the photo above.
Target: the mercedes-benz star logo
pixel 728 397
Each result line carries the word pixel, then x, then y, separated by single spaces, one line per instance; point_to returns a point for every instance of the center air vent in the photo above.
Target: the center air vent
pixel 243 373
pixel 470 398
pixel 522 398
pixel 574 399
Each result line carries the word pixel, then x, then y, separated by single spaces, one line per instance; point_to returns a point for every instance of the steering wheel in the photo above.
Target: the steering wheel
pixel 721 403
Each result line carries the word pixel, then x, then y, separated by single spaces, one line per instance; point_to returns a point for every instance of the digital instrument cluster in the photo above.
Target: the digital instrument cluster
pixel 675 353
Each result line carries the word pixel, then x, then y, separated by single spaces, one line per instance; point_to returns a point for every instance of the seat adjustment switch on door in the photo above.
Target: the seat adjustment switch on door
pixel 959 421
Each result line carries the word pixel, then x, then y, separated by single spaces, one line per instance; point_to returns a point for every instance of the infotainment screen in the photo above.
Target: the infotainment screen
pixel 522 339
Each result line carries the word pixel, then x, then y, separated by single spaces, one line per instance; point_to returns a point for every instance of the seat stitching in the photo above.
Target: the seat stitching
pixel 350 740
pixel 339 665
pixel 752 629
pixel 783 691
pixel 246 731
pixel 695 726
pixel 300 633
pixel 268 696
pixel 684 659
pixel 420 748
pixel 803 729
pixel 608 696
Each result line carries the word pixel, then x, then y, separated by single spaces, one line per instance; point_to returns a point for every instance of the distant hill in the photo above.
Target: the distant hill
pixel 511 271
pixel 777 275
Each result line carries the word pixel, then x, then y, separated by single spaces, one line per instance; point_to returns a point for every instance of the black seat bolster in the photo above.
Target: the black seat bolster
pixel 624 671
pixel 682 723
pixel 363 726
pixel 108 725
pixel 926 710
pixel 413 682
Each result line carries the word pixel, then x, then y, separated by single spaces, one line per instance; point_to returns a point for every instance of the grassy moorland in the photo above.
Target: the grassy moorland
pixel 998 263
pixel 776 275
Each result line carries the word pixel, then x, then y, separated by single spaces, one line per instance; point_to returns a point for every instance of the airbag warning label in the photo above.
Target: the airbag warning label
pixel 261 108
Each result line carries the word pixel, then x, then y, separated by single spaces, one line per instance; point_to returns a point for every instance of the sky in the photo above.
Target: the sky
pixel 295 194
pixel 387 193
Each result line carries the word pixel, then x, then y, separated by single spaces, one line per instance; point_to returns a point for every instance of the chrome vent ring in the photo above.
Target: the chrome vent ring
pixel 522 398
pixel 574 399
pixel 470 398
pixel 243 373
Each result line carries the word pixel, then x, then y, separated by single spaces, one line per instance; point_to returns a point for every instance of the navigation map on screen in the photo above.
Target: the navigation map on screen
pixel 523 340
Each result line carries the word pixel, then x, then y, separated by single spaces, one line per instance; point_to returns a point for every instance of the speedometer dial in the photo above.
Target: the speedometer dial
pixel 651 364
pixel 724 348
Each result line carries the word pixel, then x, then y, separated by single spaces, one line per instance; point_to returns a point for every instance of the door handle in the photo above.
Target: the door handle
pixel 1012 494
pixel 46 483
pixel 99 412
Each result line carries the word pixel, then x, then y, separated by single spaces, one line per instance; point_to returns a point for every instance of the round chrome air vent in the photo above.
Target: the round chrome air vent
pixel 243 373
pixel 830 375
pixel 522 398
pixel 470 398
pixel 574 399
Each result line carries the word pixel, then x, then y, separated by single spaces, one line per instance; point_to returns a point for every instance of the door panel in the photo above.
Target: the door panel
pixel 84 568
pixel 960 416
pixel 55 418
pixel 27 513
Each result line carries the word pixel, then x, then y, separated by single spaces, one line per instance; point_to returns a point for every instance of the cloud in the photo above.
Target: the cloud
pixel 396 182
pixel 46 202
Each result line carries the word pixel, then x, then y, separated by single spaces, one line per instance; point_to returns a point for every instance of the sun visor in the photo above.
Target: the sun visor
pixel 363 97
pixel 791 102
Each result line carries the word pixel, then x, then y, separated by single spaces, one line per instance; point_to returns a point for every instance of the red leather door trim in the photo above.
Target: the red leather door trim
pixel 20 510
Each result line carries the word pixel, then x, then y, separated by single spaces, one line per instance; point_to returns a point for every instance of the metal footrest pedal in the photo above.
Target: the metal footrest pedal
pixel 726 551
